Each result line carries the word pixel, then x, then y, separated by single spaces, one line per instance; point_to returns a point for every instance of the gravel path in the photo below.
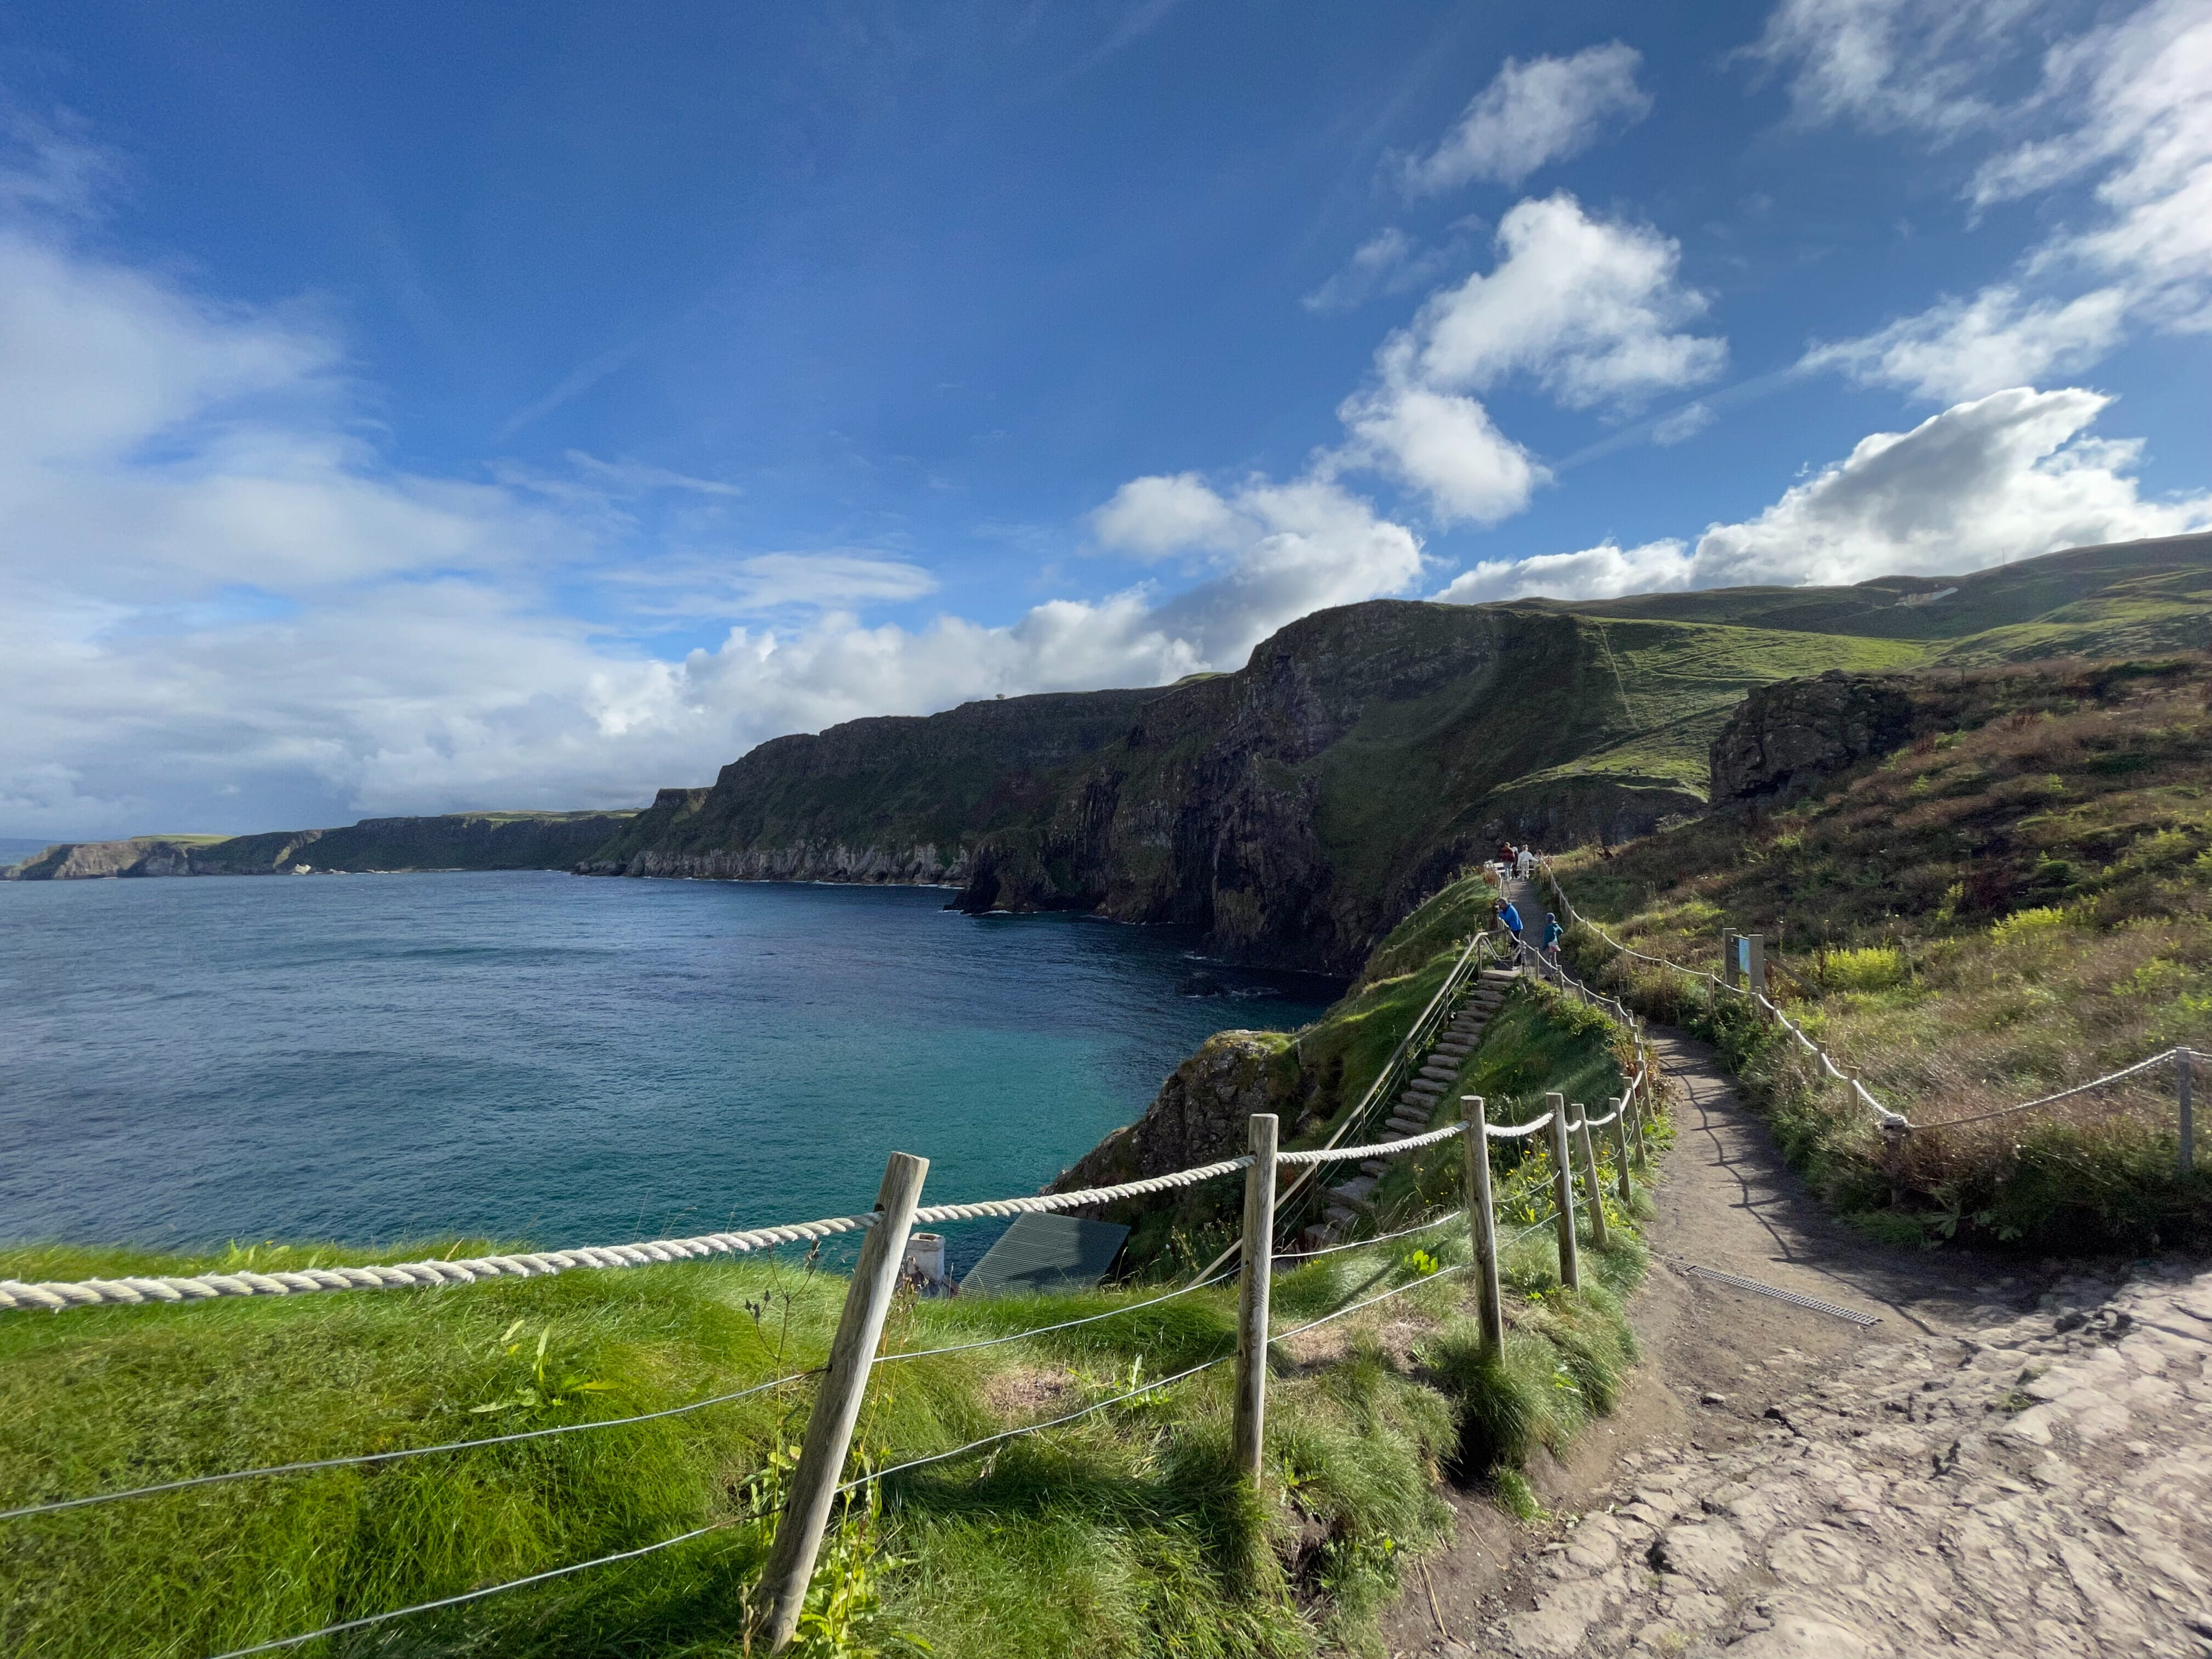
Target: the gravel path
pixel 2009 1464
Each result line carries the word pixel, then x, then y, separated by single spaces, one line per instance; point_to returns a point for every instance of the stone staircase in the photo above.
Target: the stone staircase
pixel 1416 1109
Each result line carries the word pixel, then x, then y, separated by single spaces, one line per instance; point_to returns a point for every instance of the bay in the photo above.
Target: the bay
pixel 534 1055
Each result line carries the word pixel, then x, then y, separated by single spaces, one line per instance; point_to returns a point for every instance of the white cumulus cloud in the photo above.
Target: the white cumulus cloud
pixel 1590 309
pixel 2124 106
pixel 1545 110
pixel 1604 572
pixel 2001 478
pixel 228 611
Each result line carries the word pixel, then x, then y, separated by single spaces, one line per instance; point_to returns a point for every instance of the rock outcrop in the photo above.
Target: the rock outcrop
pixel 1787 735
pixel 1200 1113
pixel 1294 810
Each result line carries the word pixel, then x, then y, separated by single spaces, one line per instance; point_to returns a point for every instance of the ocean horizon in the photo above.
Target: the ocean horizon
pixel 532 1056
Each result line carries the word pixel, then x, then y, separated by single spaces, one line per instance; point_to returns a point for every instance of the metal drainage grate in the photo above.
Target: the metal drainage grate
pixel 1790 1297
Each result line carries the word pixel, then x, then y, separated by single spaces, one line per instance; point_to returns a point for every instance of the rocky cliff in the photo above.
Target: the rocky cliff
pixel 1294 809
pixel 1799 730
pixel 452 841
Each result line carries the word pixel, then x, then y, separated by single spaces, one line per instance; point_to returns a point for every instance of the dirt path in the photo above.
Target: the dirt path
pixel 1793 1484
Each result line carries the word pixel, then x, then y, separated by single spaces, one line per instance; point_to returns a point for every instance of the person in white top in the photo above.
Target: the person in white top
pixel 1525 866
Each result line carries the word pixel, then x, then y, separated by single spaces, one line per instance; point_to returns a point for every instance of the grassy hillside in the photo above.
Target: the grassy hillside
pixel 2018 900
pixel 451 840
pixel 1297 808
pixel 2103 601
pixel 1122 1533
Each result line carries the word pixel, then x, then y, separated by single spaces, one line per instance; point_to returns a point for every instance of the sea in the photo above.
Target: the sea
pixel 537 1057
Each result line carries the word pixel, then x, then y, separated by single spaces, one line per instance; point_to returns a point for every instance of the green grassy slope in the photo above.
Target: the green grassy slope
pixel 2019 900
pixel 2086 583
pixel 1297 807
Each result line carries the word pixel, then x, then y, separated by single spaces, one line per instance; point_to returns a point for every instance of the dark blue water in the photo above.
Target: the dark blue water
pixel 532 1055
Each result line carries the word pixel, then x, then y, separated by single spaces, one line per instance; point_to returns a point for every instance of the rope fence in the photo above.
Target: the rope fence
pixel 814 1485
pixel 1891 1121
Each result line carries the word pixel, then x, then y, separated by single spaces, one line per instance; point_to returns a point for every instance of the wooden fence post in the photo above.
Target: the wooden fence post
pixel 1639 1099
pixel 837 1403
pixel 1620 1109
pixel 1482 1220
pixel 2187 1112
pixel 1592 1193
pixel 1254 1282
pixel 1563 1194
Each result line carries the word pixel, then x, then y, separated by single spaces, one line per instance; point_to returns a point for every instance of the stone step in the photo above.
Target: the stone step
pixel 1422 1085
pixel 1341 1216
pixel 1402 1127
pixel 1454 1049
pixel 1374 1166
pixel 1443 1074
pixel 1418 1116
pixel 1356 1189
pixel 1424 1101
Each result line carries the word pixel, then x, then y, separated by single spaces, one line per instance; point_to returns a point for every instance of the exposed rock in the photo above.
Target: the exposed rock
pixel 1791 733
pixel 451 840
pixel 1920 1503
pixel 1200 1114
pixel 1250 804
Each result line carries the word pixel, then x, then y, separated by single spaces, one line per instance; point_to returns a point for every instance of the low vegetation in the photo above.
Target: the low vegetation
pixel 2014 903
pixel 1122 1533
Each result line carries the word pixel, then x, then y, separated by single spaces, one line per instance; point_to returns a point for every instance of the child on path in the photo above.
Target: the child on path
pixel 1552 932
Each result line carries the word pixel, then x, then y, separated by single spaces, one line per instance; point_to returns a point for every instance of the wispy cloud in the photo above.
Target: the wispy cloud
pixel 1545 110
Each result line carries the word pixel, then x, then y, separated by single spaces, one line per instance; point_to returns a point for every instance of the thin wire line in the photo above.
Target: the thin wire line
pixel 1362 1243
pixel 1066 1324
pixel 1029 1428
pixel 1426 1279
pixel 493 1589
pixel 393 1456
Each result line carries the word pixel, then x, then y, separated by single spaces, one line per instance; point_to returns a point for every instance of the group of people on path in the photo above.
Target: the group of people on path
pixel 1522 861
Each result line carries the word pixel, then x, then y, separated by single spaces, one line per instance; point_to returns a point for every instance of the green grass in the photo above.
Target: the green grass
pixel 2019 900
pixel 1123 1533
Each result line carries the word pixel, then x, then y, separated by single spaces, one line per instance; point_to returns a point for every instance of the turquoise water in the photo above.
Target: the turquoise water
pixel 572 1061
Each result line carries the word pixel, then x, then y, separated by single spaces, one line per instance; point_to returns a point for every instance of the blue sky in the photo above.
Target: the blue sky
pixel 413 408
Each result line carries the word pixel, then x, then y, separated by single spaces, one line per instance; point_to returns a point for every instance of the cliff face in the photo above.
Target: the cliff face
pixel 1801 730
pixel 454 840
pixel 1294 809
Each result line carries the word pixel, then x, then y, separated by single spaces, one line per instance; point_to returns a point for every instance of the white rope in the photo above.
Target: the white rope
pixel 1044 1203
pixel 1888 1118
pixel 1518 1131
pixel 57 1296
pixel 2065 1094
pixel 1381 1149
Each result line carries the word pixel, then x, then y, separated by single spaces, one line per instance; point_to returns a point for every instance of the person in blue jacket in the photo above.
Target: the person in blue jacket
pixel 1509 917
pixel 1552 932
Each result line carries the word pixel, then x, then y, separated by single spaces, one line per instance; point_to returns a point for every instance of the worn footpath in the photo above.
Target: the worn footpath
pixel 2009 1463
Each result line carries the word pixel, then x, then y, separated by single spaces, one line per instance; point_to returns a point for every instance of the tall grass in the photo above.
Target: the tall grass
pixel 1123 1533
pixel 2018 901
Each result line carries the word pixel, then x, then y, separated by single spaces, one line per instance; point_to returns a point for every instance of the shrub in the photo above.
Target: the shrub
pixel 1872 968
pixel 2023 926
